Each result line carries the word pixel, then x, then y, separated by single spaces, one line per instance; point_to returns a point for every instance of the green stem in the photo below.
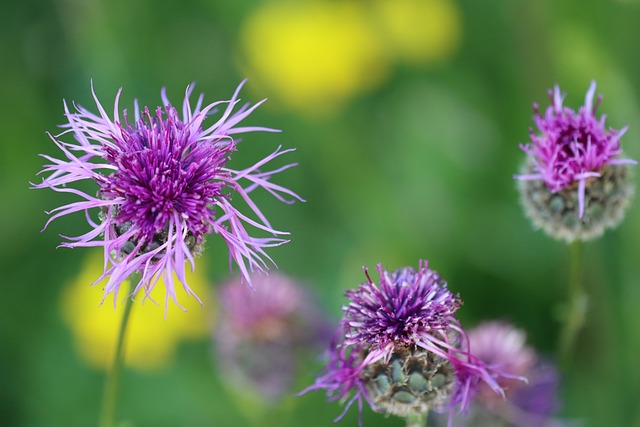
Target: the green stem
pixel 110 396
pixel 576 308
pixel 417 420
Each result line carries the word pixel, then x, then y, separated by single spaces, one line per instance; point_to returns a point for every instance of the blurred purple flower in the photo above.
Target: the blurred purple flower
pixel 503 347
pixel 163 185
pixel 263 332
pixel 401 349
pixel 571 147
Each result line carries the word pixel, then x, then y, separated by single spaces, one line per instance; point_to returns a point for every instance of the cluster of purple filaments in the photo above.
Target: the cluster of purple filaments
pixel 534 403
pixel 571 147
pixel 406 309
pixel 263 330
pixel 163 185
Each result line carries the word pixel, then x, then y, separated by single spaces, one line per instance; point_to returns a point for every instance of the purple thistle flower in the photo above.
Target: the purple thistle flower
pixel 263 333
pixel 502 346
pixel 401 349
pixel 163 185
pixel 572 148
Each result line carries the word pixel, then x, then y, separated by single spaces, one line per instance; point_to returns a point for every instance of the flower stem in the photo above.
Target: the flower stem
pixel 417 420
pixel 576 308
pixel 110 396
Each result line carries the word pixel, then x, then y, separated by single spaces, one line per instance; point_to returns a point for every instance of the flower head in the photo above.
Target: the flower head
pixel 574 183
pixel 262 332
pixel 163 184
pixel 401 349
pixel 502 346
pixel 406 307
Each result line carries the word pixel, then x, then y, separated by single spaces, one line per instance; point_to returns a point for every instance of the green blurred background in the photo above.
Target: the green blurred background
pixel 411 157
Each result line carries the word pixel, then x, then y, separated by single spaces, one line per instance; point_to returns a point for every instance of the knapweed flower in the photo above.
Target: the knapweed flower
pixel 163 184
pixel 401 349
pixel 574 183
pixel 264 332
pixel 534 403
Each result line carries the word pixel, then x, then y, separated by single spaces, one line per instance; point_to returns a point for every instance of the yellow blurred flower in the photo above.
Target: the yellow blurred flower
pixel 152 339
pixel 313 56
pixel 419 32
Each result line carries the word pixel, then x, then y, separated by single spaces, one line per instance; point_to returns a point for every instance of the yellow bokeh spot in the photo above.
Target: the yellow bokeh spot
pixel 419 32
pixel 313 56
pixel 152 338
